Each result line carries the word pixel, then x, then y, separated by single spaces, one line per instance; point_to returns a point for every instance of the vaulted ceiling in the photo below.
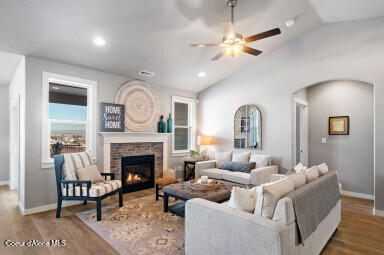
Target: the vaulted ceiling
pixel 155 35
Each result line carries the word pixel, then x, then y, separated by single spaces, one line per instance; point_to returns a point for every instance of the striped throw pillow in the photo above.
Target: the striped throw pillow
pixel 74 161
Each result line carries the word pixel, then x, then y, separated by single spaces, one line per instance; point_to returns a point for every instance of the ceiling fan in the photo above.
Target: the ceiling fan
pixel 234 43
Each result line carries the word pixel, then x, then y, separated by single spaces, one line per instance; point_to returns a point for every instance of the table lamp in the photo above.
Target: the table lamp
pixel 203 141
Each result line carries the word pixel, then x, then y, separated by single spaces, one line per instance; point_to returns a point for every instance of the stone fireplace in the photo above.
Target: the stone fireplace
pixel 136 158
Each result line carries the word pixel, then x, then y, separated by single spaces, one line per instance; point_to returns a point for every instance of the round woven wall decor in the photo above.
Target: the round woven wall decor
pixel 141 105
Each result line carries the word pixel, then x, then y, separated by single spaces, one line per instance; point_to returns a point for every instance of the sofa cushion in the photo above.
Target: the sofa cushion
pixel 241 156
pixel 269 194
pixel 312 173
pixel 261 160
pixel 323 168
pixel 221 156
pixel 214 173
pixel 239 177
pixel 89 173
pixel 96 190
pixel 299 179
pixel 243 199
pixel 245 167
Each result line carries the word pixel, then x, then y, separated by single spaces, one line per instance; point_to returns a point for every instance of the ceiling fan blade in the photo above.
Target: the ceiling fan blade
pixel 263 35
pixel 217 56
pixel 228 28
pixel 251 51
pixel 202 45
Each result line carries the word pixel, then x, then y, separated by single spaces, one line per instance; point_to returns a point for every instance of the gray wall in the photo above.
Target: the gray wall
pixel 348 50
pixel 40 183
pixel 4 134
pixel 351 155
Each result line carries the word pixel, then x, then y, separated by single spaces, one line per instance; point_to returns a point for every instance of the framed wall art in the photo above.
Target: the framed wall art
pixel 338 125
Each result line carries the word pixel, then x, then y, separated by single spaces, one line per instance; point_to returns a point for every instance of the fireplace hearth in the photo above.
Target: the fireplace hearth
pixel 137 172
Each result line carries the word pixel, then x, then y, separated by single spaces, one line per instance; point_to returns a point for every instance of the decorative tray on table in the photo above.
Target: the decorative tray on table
pixel 204 186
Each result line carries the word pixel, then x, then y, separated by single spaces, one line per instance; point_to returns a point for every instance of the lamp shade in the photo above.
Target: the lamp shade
pixel 204 140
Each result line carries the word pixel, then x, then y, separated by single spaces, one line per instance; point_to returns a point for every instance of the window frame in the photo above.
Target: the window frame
pixel 191 124
pixel 91 86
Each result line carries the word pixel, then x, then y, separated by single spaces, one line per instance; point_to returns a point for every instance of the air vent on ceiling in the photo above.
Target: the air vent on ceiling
pixel 146 74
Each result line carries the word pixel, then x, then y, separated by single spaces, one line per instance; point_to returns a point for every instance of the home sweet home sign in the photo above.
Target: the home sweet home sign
pixel 112 117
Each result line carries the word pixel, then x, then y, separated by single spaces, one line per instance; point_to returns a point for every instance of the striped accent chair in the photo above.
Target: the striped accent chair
pixel 70 188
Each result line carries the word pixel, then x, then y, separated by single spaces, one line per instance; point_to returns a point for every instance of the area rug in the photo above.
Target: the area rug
pixel 140 227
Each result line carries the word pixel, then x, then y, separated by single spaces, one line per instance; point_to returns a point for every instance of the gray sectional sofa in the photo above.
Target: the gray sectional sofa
pixel 213 228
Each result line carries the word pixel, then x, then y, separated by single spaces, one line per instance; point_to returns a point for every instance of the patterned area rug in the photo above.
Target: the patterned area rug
pixel 140 227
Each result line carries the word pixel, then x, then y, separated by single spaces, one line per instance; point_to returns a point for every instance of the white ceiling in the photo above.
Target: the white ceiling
pixel 8 66
pixel 150 35
pixel 346 10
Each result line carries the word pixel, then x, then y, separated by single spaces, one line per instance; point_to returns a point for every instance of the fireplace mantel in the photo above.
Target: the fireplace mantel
pixel 132 137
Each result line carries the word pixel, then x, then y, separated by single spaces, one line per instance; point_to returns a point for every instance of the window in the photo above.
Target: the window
pixel 68 121
pixel 183 115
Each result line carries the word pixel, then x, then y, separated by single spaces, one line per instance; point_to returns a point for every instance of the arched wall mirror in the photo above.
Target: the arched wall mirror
pixel 247 127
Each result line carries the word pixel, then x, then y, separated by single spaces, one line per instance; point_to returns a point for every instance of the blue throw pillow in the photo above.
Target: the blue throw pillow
pixel 244 167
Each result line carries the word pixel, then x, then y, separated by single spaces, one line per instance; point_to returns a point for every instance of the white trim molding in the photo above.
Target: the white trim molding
pixel 91 86
pixel 132 137
pixel 4 183
pixel 191 125
pixel 358 195
pixel 45 208
pixel 378 212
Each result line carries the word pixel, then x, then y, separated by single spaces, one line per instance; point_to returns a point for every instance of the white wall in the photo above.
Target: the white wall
pixel 350 50
pixel 351 155
pixel 4 135
pixel 17 139
pixel 40 183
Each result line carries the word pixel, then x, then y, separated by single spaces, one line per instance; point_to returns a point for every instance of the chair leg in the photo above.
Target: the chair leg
pixel 157 191
pixel 85 202
pixel 120 198
pixel 58 210
pixel 98 210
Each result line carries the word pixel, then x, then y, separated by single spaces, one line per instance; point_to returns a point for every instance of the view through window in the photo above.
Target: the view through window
pixel 67 119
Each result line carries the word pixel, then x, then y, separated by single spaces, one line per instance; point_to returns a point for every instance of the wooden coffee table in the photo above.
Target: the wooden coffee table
pixel 183 192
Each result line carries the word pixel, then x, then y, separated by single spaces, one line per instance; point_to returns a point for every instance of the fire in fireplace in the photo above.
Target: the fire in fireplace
pixel 137 172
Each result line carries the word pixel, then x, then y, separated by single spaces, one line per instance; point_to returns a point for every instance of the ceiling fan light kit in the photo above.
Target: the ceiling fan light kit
pixel 234 43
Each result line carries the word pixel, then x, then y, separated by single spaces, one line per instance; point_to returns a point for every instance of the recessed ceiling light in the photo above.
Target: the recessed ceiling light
pixel 99 41
pixel 201 74
pixel 54 87
pixel 290 23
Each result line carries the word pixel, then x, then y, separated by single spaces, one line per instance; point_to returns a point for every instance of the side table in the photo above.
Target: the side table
pixel 189 168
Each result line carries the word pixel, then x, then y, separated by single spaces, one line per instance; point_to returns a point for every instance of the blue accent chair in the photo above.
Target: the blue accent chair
pixel 72 184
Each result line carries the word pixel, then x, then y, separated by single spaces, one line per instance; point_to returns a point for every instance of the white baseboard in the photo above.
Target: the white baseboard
pixel 378 212
pixel 359 195
pixel 44 208
pixel 4 183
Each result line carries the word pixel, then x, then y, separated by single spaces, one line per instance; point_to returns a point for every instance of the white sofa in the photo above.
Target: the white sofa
pixel 261 174
pixel 212 228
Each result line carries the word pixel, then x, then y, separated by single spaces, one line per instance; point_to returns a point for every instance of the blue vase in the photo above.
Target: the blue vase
pixel 161 125
pixel 169 124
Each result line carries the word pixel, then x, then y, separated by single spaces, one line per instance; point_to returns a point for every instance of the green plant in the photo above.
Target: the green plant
pixel 193 152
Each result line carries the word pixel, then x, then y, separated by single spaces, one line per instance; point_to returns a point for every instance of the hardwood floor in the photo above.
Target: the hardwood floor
pixel 359 232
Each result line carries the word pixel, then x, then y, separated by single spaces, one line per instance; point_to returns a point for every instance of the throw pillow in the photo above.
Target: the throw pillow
pixel 241 156
pixel 299 179
pixel 89 173
pixel 221 156
pixel 261 160
pixel 245 167
pixel 269 194
pixel 299 167
pixel 312 173
pixel 323 168
pixel 243 199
